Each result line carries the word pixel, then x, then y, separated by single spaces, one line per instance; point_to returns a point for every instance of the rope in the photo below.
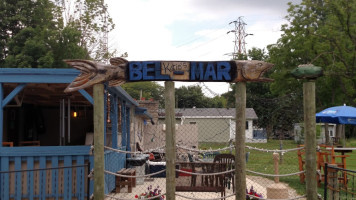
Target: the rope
pixel 135 198
pixel 126 176
pixel 275 175
pixel 275 150
pixel 133 152
pixel 205 174
pixel 205 198
pixel 205 151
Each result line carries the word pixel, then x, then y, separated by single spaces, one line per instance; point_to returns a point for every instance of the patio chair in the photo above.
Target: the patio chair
pixel 224 162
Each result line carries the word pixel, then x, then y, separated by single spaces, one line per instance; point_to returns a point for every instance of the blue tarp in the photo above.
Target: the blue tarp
pixel 337 115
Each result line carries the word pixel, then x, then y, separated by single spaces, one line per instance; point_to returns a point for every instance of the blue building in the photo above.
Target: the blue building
pixel 41 127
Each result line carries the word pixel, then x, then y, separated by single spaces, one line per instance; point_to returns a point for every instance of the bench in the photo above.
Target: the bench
pixel 123 181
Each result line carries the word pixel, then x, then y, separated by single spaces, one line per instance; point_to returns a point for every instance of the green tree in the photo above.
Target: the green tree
pixel 146 90
pixel 193 96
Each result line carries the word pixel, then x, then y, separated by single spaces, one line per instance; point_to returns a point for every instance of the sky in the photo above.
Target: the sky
pixel 192 30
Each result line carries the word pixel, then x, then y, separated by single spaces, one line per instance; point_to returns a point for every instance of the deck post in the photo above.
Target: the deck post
pixel 310 139
pixel 98 94
pixel 1 114
pixel 170 140
pixel 240 160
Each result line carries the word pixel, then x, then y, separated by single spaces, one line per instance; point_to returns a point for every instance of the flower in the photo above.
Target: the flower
pixel 151 193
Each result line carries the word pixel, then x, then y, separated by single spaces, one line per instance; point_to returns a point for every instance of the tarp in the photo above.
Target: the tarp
pixel 337 115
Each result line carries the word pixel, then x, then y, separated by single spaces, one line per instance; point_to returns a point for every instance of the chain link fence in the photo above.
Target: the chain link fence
pixel 205 157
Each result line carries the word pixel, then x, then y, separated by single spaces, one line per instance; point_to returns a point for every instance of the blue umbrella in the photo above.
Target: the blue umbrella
pixel 337 115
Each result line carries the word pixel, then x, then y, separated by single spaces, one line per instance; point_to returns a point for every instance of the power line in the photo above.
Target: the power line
pixel 240 34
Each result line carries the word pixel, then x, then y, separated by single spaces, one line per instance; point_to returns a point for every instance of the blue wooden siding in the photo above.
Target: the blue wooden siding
pixel 42 184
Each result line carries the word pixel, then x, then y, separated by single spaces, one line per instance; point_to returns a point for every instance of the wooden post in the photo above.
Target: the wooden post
pixel 327 136
pixel 98 94
pixel 333 183
pixel 310 139
pixel 276 167
pixel 170 140
pixel 240 160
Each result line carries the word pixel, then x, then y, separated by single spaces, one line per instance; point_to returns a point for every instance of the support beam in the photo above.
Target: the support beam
pixel 170 140
pixel 99 142
pixel 114 119
pixel 1 114
pixel 13 94
pixel 310 139
pixel 240 160
pixel 87 96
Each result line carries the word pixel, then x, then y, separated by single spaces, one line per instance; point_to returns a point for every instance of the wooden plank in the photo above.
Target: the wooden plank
pixel 12 94
pixel 86 95
pixel 45 151
pixel 1 115
pixel 18 178
pixel 81 178
pixel 114 120
pixel 30 178
pixel 5 186
pixel 170 139
pixel 67 178
pixel 42 178
pixel 55 177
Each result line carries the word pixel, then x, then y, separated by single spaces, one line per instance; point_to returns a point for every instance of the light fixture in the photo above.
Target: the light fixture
pixel 75 114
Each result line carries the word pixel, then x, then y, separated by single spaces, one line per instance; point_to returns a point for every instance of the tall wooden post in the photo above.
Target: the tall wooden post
pixel 98 95
pixel 309 73
pixel 170 140
pixel 310 139
pixel 240 160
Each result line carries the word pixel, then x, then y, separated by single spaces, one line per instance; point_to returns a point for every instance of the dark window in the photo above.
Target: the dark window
pixel 246 125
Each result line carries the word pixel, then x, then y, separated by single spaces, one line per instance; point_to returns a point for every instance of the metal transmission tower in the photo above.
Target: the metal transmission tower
pixel 240 34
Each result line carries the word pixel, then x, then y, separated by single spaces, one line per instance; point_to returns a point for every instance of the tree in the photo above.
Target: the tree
pixel 322 33
pixel 146 90
pixel 42 33
pixel 193 96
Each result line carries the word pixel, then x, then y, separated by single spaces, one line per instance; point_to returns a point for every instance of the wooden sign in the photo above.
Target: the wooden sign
pixel 120 71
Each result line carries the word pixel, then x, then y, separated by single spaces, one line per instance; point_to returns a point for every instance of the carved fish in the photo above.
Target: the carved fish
pixel 307 71
pixel 93 73
pixel 252 70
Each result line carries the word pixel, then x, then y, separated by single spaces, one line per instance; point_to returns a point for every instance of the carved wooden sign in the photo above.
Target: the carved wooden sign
pixel 120 71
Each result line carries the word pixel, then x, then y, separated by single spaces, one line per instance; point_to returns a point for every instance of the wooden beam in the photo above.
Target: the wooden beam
pixel 170 140
pixel 240 160
pixel 310 139
pixel 99 142
pixel 13 93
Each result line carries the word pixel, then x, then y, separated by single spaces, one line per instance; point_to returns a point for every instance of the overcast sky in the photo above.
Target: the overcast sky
pixel 192 29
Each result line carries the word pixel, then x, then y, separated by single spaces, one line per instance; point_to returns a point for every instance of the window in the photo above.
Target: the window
pixel 192 122
pixel 246 125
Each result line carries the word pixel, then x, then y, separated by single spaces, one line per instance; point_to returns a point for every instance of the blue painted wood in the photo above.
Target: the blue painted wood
pixel 92 180
pixel 114 119
pixel 55 177
pixel 87 96
pixel 67 178
pixel 42 180
pixel 123 95
pixel 37 75
pixel 81 178
pixel 44 151
pixel 105 111
pixel 12 94
pixel 18 178
pixel 128 124
pixel 123 124
pixel 1 113
pixel 30 178
pixel 5 193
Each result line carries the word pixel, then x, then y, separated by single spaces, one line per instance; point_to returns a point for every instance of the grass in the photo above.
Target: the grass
pixel 263 161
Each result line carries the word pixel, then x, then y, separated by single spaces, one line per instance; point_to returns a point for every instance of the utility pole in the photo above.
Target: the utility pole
pixel 240 34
